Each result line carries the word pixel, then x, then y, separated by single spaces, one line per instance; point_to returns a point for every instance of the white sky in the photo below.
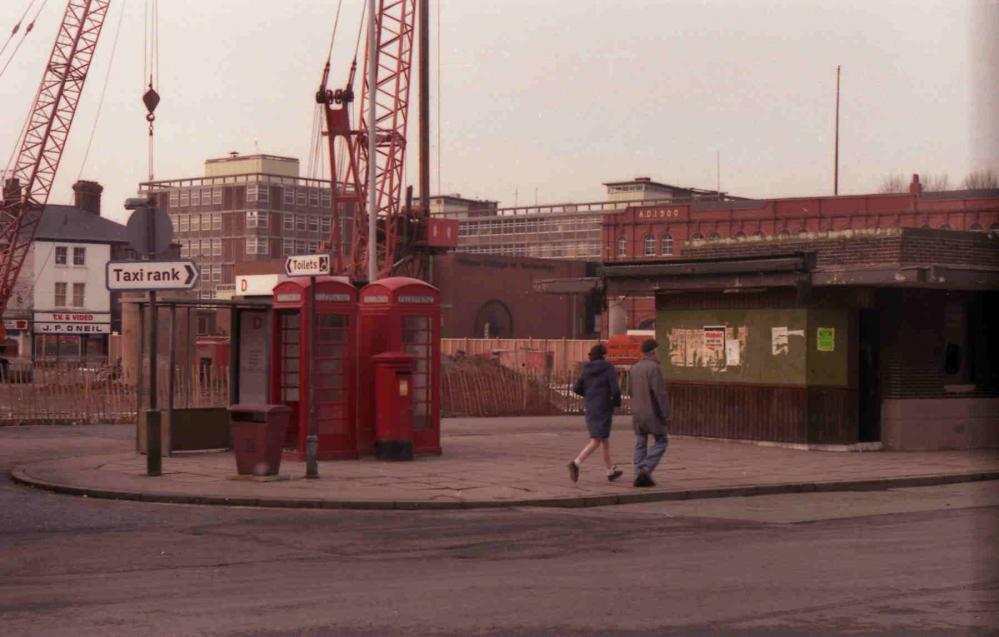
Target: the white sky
pixel 547 99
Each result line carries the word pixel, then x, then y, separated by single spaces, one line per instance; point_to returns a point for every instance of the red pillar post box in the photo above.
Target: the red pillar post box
pixel 335 354
pixel 393 405
pixel 399 314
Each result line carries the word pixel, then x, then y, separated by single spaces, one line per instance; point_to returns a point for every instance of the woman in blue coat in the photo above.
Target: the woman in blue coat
pixel 598 386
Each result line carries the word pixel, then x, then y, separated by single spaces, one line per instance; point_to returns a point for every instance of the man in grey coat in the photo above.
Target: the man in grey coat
pixel 651 412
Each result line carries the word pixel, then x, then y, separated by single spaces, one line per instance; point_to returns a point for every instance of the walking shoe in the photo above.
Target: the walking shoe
pixel 573 471
pixel 643 479
pixel 614 474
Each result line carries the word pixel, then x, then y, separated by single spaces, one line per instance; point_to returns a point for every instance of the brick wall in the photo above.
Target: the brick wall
pixel 902 246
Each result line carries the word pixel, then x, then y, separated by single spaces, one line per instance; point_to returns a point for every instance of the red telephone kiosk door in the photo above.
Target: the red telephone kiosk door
pixel 399 314
pixel 335 362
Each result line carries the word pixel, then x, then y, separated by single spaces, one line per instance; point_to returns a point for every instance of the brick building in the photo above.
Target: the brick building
pixel 834 336
pixel 245 208
pixel 663 232
pixel 555 231
pixel 60 309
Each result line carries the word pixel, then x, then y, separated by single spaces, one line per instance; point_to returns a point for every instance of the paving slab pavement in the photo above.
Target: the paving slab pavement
pixel 504 462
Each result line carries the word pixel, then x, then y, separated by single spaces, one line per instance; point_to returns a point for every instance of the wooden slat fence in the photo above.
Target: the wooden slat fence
pixel 566 353
pixel 487 389
pixel 73 395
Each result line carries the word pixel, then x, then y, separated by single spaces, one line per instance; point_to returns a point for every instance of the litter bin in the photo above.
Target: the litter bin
pixel 393 405
pixel 258 437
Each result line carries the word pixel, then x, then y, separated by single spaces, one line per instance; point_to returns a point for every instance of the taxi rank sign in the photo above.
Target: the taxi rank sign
pixel 173 274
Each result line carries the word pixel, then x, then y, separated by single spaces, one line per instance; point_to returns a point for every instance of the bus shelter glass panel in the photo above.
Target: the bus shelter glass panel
pixel 416 335
pixel 331 353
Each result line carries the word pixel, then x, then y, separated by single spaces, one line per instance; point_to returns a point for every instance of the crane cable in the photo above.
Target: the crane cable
pixel 100 103
pixel 17 27
pixel 437 33
pixel 151 69
pixel 27 30
pixel 9 167
pixel 317 156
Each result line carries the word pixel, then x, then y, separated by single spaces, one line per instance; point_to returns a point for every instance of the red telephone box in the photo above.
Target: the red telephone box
pixel 399 314
pixel 335 360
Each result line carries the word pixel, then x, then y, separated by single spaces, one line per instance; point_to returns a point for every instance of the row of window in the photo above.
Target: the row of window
pixel 254 192
pixel 62 295
pixel 62 255
pixel 210 274
pixel 260 219
pixel 196 197
pixel 254 245
pixel 196 222
pixel 200 247
pixel 546 250
pixel 528 226
pixel 665 243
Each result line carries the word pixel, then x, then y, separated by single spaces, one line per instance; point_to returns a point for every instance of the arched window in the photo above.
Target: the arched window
pixel 945 227
pixel 622 246
pixel 667 245
pixel 758 233
pixel 925 226
pixel 740 235
pixel 650 245
pixel 697 237
pixel 714 235
pixel 994 228
pixel 976 228
pixel 784 234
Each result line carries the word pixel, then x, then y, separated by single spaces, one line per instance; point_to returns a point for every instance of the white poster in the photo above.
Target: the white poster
pixel 732 353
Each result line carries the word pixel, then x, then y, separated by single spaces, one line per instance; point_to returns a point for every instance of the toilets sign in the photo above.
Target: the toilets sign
pixel 307 265
pixel 174 274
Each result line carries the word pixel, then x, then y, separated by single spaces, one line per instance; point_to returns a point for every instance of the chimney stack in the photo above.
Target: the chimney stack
pixel 87 196
pixel 11 189
pixel 915 187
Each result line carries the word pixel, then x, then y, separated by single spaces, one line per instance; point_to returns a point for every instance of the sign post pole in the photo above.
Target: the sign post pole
pixel 312 266
pixel 154 450
pixel 312 440
pixel 149 233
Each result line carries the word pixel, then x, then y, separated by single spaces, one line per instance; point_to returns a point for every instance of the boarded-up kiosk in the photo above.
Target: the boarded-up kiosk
pixel 335 363
pixel 400 314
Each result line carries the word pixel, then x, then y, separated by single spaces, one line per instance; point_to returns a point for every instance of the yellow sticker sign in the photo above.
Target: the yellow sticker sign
pixel 825 338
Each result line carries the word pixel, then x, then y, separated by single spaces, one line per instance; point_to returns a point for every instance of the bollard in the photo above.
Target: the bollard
pixel 311 450
pixel 154 443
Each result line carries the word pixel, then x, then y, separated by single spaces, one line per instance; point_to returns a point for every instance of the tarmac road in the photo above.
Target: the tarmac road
pixel 918 561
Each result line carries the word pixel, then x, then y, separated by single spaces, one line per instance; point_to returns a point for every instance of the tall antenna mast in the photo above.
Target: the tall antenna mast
pixel 836 154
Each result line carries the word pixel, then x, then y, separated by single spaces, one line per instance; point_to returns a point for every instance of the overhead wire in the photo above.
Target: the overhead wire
pixel 17 27
pixel 437 33
pixel 27 30
pixel 151 69
pixel 100 103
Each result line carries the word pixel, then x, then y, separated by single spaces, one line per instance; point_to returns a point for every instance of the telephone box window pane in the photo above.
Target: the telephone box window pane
pixel 330 379
pixel 329 350
pixel 289 324
pixel 329 365
pixel 416 323
pixel 416 341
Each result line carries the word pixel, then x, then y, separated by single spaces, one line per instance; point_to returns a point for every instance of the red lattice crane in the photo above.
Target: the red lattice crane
pixel 27 187
pixel 405 235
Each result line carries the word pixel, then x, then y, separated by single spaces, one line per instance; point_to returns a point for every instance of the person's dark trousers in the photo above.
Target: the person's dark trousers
pixel 646 457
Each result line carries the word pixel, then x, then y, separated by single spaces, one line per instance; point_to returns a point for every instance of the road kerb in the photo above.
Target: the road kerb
pixel 21 476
